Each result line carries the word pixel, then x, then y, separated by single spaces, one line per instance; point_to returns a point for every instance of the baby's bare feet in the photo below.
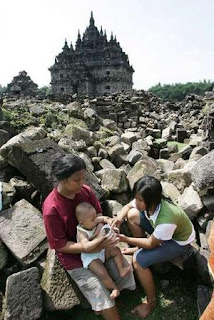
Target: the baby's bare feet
pixel 115 293
pixel 124 271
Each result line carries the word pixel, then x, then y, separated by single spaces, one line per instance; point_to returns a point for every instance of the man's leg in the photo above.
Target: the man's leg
pixel 95 292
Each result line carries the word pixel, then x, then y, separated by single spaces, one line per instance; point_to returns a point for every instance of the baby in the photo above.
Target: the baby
pixel 91 231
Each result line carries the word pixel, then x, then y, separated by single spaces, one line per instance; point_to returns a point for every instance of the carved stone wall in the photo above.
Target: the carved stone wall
pixel 96 66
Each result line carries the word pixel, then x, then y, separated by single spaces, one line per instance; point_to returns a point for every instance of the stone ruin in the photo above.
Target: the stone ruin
pixel 117 153
pixel 95 66
pixel 22 85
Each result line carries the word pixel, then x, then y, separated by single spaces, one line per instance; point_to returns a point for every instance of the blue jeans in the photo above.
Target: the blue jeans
pixel 167 251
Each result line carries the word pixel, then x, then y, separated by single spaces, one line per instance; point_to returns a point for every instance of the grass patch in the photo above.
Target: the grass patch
pixel 179 144
pixel 176 302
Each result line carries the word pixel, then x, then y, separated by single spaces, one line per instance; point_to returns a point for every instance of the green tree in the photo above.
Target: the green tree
pixel 46 90
pixel 178 91
pixel 2 89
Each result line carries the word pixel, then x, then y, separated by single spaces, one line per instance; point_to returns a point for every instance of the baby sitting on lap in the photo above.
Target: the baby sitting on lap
pixel 91 231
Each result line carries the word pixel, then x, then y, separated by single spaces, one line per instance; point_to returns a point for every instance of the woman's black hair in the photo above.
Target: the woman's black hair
pixel 150 189
pixel 65 165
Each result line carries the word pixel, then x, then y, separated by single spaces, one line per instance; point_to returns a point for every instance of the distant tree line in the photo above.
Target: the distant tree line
pixel 178 91
pixel 2 89
pixel 45 90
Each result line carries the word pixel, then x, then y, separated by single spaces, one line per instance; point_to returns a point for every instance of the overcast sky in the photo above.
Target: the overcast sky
pixel 167 41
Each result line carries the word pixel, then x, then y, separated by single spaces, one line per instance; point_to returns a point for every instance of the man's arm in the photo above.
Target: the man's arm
pixel 84 244
pixel 71 247
pixel 87 244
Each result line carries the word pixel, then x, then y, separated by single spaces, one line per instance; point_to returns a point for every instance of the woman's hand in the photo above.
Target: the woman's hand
pixel 123 238
pixel 115 222
pixel 116 230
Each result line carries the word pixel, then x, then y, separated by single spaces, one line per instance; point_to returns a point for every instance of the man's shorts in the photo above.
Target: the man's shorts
pixel 93 289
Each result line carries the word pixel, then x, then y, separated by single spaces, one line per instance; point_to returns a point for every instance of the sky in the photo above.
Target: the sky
pixel 167 41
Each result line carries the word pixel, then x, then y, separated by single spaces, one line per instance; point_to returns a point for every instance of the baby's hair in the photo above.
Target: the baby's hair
pixel 150 189
pixel 82 208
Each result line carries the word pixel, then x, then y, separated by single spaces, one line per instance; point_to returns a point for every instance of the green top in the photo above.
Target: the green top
pixel 172 214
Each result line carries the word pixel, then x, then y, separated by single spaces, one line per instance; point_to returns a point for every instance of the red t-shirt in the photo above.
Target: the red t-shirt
pixel 60 222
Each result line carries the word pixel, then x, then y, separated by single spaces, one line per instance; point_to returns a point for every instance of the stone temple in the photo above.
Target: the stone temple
pixel 22 85
pixel 95 66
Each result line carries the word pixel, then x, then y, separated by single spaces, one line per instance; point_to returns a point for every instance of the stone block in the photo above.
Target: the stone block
pixel 181 134
pixel 111 208
pixel 60 291
pixel 128 138
pixel 23 296
pixel 115 180
pixel 33 159
pixel 190 202
pixel 23 232
pixel 203 298
pixel 3 255
pixel 203 173
pixel 140 169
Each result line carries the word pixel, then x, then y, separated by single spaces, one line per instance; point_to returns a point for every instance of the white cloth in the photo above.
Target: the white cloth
pixel 87 258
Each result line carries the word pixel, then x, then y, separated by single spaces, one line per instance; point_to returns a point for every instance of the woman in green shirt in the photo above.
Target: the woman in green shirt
pixel 169 234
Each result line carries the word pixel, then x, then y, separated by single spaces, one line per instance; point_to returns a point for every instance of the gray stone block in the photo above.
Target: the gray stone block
pixel 33 159
pixel 203 173
pixel 3 255
pixel 203 298
pixel 23 232
pixel 23 296
pixel 60 291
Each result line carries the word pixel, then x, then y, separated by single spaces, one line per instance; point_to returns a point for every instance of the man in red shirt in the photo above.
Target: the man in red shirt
pixel 60 223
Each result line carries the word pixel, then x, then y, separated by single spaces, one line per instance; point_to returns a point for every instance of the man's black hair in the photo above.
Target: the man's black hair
pixel 150 189
pixel 64 166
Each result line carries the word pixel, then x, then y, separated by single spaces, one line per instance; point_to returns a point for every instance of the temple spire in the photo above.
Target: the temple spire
pixel 65 46
pixel 91 20
pixel 71 47
pixel 79 41
pixel 79 36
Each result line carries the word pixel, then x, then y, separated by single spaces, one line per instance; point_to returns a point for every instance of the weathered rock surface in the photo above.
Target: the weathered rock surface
pixel 3 255
pixel 203 173
pixel 115 180
pixel 23 296
pixel 60 292
pixel 23 232
pixel 190 202
pixel 141 168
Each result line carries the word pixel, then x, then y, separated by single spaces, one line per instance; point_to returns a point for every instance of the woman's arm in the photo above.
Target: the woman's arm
pixel 121 215
pixel 146 243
